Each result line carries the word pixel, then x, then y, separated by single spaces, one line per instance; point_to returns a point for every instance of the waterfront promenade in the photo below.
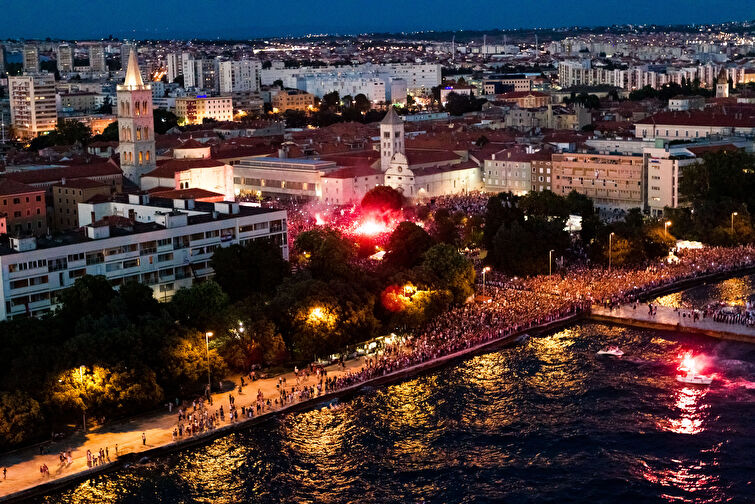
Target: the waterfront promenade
pixel 670 319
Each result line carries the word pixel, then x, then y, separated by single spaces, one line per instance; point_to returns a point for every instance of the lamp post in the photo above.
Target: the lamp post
pixel 550 262
pixel 732 221
pixel 484 270
pixel 83 410
pixel 665 228
pixel 207 337
pixel 610 251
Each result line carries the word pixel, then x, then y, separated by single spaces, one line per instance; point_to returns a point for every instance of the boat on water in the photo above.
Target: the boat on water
pixel 522 338
pixel 694 379
pixel 612 350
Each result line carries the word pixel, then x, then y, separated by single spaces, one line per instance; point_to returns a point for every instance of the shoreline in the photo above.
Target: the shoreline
pixel 204 438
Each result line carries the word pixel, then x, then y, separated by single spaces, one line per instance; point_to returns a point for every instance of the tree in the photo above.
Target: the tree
pixel 381 199
pixel 444 229
pixel 450 271
pixel 501 210
pixel 362 103
pixel 295 118
pixel 255 268
pixel 106 107
pixel 201 306
pixel 89 296
pixel 109 134
pixel 186 362
pixel 163 120
pixel 407 246
pixel 523 247
pixel 330 101
pixel 326 253
pixel 21 419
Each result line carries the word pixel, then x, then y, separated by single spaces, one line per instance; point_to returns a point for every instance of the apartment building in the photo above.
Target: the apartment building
pixel 32 104
pixel 611 181
pixel 195 109
pixel 280 177
pixel 23 207
pixel 238 76
pixel 293 99
pixel 165 244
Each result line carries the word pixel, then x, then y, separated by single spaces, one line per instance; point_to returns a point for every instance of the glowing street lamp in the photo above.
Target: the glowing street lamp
pixel 550 262
pixel 484 270
pixel 732 221
pixel 665 228
pixel 610 251
pixel 207 337
pixel 83 410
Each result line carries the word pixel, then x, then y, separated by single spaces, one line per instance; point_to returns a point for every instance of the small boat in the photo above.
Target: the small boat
pixel 694 379
pixel 613 350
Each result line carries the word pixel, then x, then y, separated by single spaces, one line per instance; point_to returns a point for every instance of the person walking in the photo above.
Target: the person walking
pixel 144 439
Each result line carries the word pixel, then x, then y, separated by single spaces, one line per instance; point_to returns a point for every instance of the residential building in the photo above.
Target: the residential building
pixel 239 76
pixel 611 181
pixel 175 67
pixel 66 197
pixel 31 58
pixel 165 244
pixel 526 99
pixel 65 58
pixel 681 103
pixel 350 184
pixel 497 84
pixel 293 99
pixel 193 110
pixel 32 104
pixel 2 58
pixel 136 135
pixel 508 170
pixel 458 89
pixel 23 207
pixel 97 58
pixel 82 101
pixel 125 54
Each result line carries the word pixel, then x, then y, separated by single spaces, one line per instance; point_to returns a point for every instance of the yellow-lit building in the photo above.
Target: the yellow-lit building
pixel 611 181
pixel 194 110
pixel 293 99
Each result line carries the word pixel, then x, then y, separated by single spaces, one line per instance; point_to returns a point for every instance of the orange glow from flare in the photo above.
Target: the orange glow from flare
pixel 689 365
pixel 319 220
pixel 371 227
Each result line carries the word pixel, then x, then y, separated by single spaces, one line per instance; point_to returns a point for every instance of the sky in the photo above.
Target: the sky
pixel 91 19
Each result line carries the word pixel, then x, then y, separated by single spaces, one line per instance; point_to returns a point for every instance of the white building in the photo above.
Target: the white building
pixel 31 58
pixel 175 67
pixel 281 177
pixel 164 244
pixel 239 76
pixel 136 136
pixel 33 107
pixel 693 124
pixel 97 58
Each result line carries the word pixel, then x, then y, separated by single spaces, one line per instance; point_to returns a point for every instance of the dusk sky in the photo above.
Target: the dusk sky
pixel 249 19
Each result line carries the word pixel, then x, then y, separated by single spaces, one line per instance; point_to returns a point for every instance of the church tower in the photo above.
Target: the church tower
pixel 136 136
pixel 722 85
pixel 391 138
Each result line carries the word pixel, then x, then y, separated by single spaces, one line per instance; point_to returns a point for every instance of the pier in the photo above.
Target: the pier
pixel 670 319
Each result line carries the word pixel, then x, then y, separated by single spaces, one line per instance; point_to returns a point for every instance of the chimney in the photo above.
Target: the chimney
pixel 63 181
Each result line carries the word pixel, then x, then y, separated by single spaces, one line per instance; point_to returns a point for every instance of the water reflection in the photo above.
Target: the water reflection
pixel 688 402
pixel 734 291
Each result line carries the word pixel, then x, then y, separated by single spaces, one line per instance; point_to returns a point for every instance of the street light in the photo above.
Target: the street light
pixel 207 337
pixel 83 410
pixel 732 221
pixel 610 251
pixel 665 228
pixel 484 270
pixel 550 262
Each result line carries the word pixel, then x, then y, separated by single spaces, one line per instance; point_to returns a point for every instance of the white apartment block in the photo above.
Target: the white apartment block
pixel 175 66
pixel 419 77
pixel 239 76
pixel 166 245
pixel 664 171
pixel 97 58
pixel 32 104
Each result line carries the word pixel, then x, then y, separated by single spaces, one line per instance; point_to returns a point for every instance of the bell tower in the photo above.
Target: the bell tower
pixel 136 136
pixel 722 85
pixel 391 138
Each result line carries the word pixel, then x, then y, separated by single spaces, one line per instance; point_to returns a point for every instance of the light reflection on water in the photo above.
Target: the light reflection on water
pixel 734 291
pixel 543 421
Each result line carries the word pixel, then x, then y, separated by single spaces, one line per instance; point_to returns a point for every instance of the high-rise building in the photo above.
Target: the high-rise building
pixel 97 58
pixel 125 53
pixel 31 58
pixel 136 137
pixel 237 76
pixel 65 58
pixel 175 68
pixel 208 75
pixel 187 66
pixel 2 59
pixel 32 104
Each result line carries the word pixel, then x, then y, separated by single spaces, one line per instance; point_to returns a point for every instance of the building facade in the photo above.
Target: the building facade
pixel 32 104
pixel 195 110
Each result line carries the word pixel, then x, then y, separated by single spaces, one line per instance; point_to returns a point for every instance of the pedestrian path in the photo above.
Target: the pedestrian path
pixel 670 319
pixel 125 437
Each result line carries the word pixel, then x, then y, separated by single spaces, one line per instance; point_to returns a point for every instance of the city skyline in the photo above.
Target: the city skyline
pixel 244 20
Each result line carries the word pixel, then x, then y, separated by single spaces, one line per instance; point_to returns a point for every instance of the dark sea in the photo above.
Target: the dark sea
pixel 544 421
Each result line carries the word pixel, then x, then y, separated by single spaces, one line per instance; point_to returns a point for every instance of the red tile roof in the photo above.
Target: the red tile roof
pixel 192 193
pixel 82 183
pixel 703 149
pixel 352 172
pixel 52 175
pixel 733 117
pixel 191 144
pixel 9 187
pixel 418 156
pixel 168 168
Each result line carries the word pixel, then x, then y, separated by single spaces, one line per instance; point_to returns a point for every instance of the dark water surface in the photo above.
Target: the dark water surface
pixel 543 421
